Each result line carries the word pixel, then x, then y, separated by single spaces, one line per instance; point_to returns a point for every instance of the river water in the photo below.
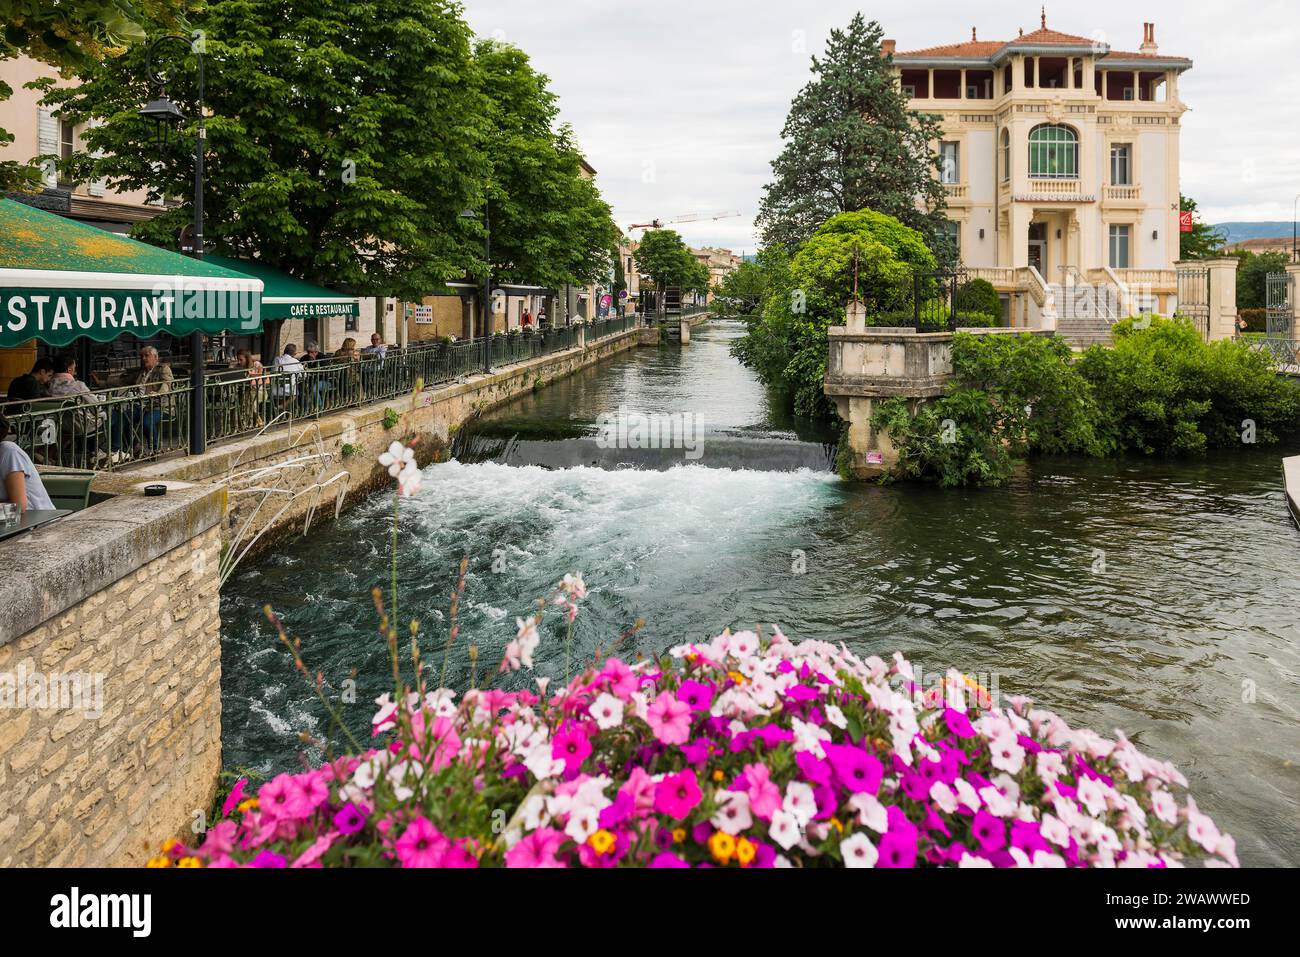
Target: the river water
pixel 1156 597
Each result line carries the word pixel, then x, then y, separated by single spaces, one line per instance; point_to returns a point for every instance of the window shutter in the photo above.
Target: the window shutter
pixel 97 187
pixel 47 142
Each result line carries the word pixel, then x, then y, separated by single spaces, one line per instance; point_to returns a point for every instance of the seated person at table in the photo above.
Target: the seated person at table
pixel 34 384
pixel 376 347
pixel 290 368
pixel 153 378
pixel 21 481
pixel 65 385
pixel 311 352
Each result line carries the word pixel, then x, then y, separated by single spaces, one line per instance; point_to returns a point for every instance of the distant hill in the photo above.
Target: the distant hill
pixel 1239 232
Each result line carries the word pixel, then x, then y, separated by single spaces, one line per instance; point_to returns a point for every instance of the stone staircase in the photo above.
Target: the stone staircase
pixel 1085 311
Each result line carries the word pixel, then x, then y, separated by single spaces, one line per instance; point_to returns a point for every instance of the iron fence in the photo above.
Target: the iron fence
pixel 110 428
pixel 1284 351
pixel 1280 304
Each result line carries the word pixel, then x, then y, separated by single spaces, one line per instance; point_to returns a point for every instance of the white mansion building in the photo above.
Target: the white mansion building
pixel 1060 160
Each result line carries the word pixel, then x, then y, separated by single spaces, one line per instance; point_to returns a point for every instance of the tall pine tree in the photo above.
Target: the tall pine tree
pixel 852 142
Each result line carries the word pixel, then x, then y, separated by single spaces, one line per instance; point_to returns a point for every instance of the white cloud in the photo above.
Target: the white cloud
pixel 679 105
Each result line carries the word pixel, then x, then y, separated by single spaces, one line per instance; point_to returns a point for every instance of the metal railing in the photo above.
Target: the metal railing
pixel 1284 351
pixel 110 428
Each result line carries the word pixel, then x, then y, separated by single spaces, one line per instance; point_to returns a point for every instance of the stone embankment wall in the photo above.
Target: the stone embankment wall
pixel 110 680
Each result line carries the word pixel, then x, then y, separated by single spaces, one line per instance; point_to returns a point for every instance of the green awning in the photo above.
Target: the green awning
pixel 285 297
pixel 61 280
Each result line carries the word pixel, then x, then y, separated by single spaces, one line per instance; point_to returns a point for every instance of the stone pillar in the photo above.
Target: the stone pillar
pixel 685 331
pixel 1223 297
pixel 582 337
pixel 1293 271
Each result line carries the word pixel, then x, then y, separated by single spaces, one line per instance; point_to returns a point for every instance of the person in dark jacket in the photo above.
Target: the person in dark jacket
pixel 34 384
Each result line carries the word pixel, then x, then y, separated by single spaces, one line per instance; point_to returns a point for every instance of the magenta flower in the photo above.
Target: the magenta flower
pixel 269 859
pixel 854 768
pixel 958 723
pixel 897 849
pixel 349 819
pixel 621 680
pixel 990 832
pixel 276 796
pixel 677 794
pixel 665 859
pixel 234 797
pixel 421 844
pixel 572 746
pixel 669 719
pixel 538 849
pixel 698 696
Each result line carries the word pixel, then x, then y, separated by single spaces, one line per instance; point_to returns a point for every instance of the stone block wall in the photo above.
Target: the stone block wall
pixel 110 708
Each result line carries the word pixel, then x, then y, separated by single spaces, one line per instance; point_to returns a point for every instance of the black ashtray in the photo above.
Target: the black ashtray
pixel 155 490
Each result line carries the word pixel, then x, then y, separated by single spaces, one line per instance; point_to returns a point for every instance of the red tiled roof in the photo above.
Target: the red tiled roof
pixel 987 49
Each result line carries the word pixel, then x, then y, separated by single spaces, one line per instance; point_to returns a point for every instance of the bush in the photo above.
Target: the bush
pixel 979 296
pixel 977 320
pixel 1161 390
pixel 1009 396
pixel 735 752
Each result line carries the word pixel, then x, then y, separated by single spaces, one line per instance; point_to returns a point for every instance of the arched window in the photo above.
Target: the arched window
pixel 1006 156
pixel 1053 152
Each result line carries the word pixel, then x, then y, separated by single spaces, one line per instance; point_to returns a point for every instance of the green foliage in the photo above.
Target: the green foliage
pixel 786 343
pixel 1204 241
pixel 853 142
pixel 978 297
pixel 1252 277
pixel 391 418
pixel 70 35
pixel 1161 390
pixel 348 450
pixel 344 138
pixel 665 259
pixel 549 224
pixel 742 291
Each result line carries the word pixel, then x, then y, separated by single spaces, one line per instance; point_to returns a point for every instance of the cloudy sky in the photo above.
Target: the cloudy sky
pixel 679 103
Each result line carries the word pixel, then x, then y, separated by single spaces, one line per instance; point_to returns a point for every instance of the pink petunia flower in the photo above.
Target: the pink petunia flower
pixel 538 849
pixel 669 719
pixel 421 844
pixel 677 794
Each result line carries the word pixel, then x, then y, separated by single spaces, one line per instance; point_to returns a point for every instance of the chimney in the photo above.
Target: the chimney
pixel 1148 38
pixel 973 38
pixel 887 47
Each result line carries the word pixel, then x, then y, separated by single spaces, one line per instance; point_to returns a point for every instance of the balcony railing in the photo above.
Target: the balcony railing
pixel 1122 194
pixel 110 428
pixel 1054 187
pixel 957 190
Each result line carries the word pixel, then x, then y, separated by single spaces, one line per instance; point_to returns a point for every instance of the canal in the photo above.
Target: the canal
pixel 1156 597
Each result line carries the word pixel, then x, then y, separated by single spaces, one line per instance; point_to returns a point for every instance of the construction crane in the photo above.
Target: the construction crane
pixel 687 218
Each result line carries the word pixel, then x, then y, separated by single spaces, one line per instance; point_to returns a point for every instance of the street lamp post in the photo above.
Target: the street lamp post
pixel 1294 257
pixel 163 112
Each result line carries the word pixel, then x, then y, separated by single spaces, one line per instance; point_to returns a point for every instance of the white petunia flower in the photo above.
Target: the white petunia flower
pixel 397 458
pixel 858 851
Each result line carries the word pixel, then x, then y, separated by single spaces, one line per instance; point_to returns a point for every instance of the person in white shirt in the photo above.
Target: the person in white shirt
pixel 376 347
pixel 19 480
pixel 291 369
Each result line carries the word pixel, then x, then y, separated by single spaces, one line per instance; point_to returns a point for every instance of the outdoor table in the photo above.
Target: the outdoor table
pixel 33 518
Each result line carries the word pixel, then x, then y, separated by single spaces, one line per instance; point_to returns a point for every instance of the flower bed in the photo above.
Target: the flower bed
pixel 742 752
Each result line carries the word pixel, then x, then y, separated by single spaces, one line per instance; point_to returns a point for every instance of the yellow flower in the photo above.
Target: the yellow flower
pixel 837 824
pixel 718 775
pixel 722 846
pixel 159 862
pixel 248 805
pixel 679 835
pixel 745 851
pixel 169 845
pixel 602 841
pixel 737 677
pixel 189 862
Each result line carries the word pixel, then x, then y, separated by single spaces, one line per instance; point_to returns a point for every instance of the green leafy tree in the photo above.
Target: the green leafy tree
pixel 1253 270
pixel 807 297
pixel 344 139
pixel 549 224
pixel 1204 241
pixel 70 35
pixel 742 291
pixel 852 142
pixel 665 259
